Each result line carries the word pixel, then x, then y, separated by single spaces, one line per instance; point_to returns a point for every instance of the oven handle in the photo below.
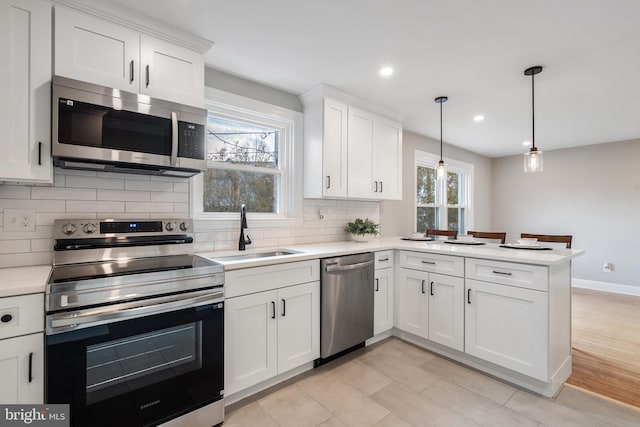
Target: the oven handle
pixel 131 310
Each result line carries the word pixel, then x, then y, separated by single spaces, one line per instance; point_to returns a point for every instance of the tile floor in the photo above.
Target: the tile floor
pixel 394 383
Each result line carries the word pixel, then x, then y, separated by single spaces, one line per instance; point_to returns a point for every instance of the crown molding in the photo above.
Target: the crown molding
pixel 139 22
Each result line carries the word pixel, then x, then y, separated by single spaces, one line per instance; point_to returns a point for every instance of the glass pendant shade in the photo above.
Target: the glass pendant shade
pixel 441 170
pixel 533 161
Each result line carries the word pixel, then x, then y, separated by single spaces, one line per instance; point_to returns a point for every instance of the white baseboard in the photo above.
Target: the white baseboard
pixel 615 288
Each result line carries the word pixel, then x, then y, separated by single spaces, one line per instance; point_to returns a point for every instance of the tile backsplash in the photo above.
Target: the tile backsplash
pixel 84 194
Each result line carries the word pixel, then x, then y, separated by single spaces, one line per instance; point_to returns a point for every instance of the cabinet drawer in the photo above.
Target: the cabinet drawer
pixel 258 279
pixel 21 315
pixel 383 259
pixel 443 264
pixel 508 273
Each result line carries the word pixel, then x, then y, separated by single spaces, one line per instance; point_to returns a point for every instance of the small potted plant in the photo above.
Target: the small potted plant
pixel 362 230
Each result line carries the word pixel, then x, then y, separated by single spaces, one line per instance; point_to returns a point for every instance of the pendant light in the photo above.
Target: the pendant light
pixel 533 158
pixel 441 169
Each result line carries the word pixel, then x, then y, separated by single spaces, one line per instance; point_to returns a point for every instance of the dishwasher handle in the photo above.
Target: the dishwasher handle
pixel 332 267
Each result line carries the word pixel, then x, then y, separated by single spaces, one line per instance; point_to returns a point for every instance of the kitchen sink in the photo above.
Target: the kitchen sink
pixel 256 255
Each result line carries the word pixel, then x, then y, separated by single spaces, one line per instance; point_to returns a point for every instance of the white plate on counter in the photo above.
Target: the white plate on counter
pixel 534 246
pixel 465 242
pixel 417 239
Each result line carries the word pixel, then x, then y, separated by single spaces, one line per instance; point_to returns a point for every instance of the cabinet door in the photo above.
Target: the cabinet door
pixel 508 326
pixel 25 91
pixel 22 369
pixel 334 149
pixel 446 310
pixel 411 303
pixel 91 49
pixel 360 158
pixel 383 301
pixel 250 340
pixel 171 72
pixel 298 325
pixel 387 159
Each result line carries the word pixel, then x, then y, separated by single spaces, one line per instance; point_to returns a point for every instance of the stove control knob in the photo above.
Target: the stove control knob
pixel 68 228
pixel 170 226
pixel 89 228
pixel 184 226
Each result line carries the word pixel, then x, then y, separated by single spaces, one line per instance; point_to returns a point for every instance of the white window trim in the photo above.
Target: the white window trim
pixel 423 158
pixel 234 106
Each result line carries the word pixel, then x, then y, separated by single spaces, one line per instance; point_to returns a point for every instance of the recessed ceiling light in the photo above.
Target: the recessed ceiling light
pixel 386 71
pixel 526 143
pixel 478 118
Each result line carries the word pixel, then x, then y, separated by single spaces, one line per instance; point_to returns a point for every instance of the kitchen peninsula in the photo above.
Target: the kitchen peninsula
pixel 506 312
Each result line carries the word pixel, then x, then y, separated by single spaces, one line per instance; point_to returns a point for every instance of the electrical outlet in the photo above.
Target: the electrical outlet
pixel 19 220
pixel 608 267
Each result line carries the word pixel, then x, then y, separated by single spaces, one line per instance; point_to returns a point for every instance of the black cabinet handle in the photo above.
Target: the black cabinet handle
pixel 502 272
pixel 284 307
pixel 30 367
pixel 377 284
pixel 147 74
pixel 376 183
pixel 381 186
pixel 422 285
pixel 6 318
pixel 468 296
pixel 328 181
pixel 429 262
pixel 131 75
pixel 273 309
pixel 40 152
pixel 383 259
pixel 431 288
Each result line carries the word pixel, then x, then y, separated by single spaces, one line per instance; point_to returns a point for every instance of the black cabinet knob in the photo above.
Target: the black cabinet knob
pixel 6 318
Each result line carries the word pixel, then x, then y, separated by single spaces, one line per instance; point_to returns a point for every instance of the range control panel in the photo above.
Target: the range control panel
pixel 92 228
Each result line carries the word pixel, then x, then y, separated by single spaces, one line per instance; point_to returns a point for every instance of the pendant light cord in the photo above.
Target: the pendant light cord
pixel 533 115
pixel 440 131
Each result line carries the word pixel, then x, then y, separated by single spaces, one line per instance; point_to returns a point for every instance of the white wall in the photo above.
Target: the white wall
pixel 397 218
pixel 592 193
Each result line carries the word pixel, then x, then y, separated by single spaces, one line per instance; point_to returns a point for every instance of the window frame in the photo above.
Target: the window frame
pixel 430 160
pixel 289 123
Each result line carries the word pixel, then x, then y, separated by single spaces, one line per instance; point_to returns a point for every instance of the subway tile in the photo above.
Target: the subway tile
pixel 169 196
pixel 181 187
pixel 41 245
pixel 148 207
pixel 148 185
pixel 168 215
pixel 55 193
pixel 38 205
pixel 41 232
pixel 117 175
pixel 94 182
pixel 95 206
pixel 14 191
pixel 59 181
pixel 168 179
pixel 74 172
pixel 124 196
pixel 121 215
pixel 182 208
pixel 14 246
pixel 25 259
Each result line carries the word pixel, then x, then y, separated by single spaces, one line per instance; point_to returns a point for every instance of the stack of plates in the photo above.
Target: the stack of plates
pixel 464 242
pixel 529 246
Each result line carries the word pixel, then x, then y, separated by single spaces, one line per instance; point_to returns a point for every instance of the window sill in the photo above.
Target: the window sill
pixel 226 223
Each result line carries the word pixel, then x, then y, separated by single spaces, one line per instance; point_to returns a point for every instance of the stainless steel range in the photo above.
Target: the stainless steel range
pixel 135 325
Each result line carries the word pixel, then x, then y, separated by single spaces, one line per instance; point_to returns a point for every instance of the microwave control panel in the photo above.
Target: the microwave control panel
pixel 191 140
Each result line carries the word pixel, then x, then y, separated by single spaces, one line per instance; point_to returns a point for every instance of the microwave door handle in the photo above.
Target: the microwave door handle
pixel 174 138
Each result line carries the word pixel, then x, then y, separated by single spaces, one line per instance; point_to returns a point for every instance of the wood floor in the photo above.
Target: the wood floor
pixel 606 344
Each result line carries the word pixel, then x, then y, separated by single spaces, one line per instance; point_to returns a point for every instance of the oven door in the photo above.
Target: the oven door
pixel 141 371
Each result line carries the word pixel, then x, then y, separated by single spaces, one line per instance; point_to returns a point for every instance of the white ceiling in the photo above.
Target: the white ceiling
pixel 473 51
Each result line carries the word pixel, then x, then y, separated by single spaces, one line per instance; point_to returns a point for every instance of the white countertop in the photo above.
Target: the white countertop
pixel 324 250
pixel 33 279
pixel 23 280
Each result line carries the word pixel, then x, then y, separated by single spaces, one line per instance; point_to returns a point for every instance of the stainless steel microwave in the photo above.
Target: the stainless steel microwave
pixel 105 129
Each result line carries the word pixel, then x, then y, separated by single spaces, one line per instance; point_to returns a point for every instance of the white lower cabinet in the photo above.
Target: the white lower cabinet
pixel 383 300
pixel 22 369
pixel 431 306
pixel 268 333
pixel 508 326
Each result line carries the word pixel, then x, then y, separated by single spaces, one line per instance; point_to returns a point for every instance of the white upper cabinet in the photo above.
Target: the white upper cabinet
pixel 25 91
pixel 102 52
pixel 350 151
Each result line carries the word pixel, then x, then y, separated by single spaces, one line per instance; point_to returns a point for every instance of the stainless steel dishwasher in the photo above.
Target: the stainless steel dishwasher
pixel 346 302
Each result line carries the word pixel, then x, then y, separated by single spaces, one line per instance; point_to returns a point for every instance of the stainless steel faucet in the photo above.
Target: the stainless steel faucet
pixel 243 225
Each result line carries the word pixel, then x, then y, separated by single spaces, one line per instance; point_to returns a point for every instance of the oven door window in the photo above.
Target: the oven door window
pixel 118 366
pixel 140 371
